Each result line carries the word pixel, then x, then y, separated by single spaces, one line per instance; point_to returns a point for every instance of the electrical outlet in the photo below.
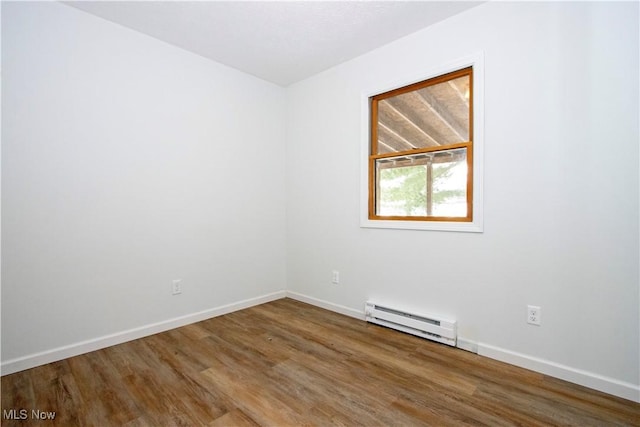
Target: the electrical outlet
pixel 176 287
pixel 335 277
pixel 534 315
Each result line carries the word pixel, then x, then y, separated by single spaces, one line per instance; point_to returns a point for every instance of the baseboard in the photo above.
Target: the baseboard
pixel 467 345
pixel 347 311
pixel 577 376
pixel 60 353
pixel 587 379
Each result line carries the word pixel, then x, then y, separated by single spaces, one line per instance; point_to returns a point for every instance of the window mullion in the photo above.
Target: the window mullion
pixel 421 150
pixel 429 184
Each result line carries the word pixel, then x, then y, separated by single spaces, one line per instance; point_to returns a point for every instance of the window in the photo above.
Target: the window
pixel 421 151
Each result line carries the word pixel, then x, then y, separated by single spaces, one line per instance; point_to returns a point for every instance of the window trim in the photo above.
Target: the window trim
pixel 476 224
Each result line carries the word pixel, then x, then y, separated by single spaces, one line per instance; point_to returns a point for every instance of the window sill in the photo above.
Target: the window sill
pixel 469 227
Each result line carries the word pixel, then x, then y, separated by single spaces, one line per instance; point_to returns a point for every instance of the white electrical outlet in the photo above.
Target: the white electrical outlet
pixel 176 287
pixel 534 315
pixel 335 277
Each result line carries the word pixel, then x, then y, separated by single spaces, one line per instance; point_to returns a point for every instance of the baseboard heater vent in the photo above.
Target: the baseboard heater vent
pixel 432 328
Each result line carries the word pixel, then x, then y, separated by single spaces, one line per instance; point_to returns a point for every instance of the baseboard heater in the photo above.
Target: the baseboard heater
pixel 433 328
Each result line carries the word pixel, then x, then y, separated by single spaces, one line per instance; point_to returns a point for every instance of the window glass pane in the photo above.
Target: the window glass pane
pixel 450 187
pixel 402 191
pixel 426 184
pixel 436 115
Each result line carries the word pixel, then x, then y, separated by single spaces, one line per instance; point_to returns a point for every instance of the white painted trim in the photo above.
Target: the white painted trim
pixel 588 379
pixel 477 226
pixel 337 308
pixel 467 345
pixel 54 355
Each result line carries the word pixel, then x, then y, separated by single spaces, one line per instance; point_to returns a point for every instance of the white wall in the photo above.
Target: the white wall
pixel 127 163
pixel 561 191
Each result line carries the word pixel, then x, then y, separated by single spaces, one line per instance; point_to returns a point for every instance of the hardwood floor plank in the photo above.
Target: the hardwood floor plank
pixel 202 405
pixel 287 363
pixel 259 401
pixel 194 331
pixel 329 397
pixel 68 398
pixel 591 401
pixel 100 386
pixel 17 396
pixel 174 394
pixel 235 418
pixel 139 422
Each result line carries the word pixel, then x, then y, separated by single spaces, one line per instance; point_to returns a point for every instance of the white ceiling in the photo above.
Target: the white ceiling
pixel 279 41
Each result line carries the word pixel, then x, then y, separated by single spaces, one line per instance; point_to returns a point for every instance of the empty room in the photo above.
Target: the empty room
pixel 260 213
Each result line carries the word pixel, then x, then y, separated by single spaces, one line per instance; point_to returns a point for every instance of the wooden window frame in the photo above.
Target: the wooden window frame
pixel 468 145
pixel 473 221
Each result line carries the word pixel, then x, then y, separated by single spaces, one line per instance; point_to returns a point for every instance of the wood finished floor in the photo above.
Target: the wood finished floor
pixel 287 363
